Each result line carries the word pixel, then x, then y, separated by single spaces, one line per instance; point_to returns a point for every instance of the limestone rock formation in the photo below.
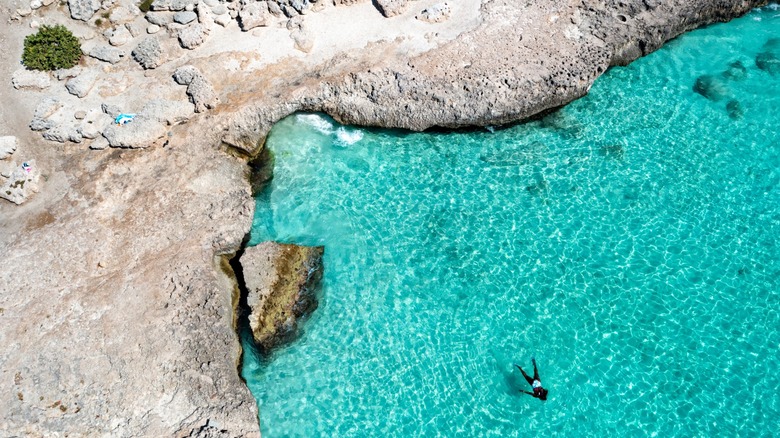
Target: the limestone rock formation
pixel 193 35
pixel 93 124
pixel 22 183
pixel 83 9
pixel 81 85
pixel 391 8
pixel 8 144
pixel 118 36
pixel 184 17
pixel 171 112
pixel 30 79
pixel 199 89
pixel 253 15
pixel 141 133
pixel 148 53
pixel 281 281
pixel 107 54
pixel 436 13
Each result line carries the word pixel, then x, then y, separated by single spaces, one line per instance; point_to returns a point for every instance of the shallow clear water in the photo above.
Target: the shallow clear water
pixel 628 242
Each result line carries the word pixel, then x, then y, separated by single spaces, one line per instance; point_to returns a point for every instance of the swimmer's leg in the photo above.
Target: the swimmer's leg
pixel 527 377
pixel 536 371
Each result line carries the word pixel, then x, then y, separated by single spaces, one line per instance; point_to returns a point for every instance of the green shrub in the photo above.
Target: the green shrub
pixel 52 48
pixel 145 5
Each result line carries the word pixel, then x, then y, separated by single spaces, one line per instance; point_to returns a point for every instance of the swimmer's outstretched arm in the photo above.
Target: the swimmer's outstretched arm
pixel 536 371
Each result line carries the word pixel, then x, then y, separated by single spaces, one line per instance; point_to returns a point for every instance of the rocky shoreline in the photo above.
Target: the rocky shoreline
pixel 116 318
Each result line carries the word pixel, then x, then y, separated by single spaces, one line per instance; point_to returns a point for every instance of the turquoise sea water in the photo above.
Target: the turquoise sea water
pixel 629 242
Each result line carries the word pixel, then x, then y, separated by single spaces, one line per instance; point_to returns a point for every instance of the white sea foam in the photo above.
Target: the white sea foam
pixel 348 137
pixel 316 121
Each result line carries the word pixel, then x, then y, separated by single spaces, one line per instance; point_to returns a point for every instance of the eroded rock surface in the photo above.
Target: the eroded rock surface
pixel 281 281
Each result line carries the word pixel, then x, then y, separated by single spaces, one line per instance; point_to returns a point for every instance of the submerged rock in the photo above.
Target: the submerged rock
pixel 734 108
pixel 768 62
pixel 281 280
pixel 736 71
pixel 711 87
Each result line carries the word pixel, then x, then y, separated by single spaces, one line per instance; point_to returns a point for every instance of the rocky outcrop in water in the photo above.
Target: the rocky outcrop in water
pixel 281 281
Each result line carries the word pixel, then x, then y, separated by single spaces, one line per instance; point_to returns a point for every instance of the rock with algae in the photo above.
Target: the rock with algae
pixel 281 280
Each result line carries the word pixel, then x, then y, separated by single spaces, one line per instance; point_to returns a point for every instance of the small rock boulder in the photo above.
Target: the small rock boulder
pixel 81 85
pixel 193 35
pixel 391 8
pixel 281 281
pixel 185 17
pixel 436 13
pixel 141 133
pixel 8 144
pixel 83 9
pixel 22 183
pixel 30 79
pixel 94 123
pixel 253 15
pixel 199 89
pixel 107 54
pixel 148 53
pixel 119 36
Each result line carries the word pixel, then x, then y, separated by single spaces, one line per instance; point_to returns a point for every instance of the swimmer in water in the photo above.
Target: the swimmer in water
pixel 535 383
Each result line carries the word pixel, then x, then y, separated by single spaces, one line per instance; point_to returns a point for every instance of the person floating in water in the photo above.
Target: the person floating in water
pixel 535 383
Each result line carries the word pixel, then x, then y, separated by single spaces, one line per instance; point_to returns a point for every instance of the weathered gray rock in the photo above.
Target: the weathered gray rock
pixel 30 79
pixel 202 94
pixel 80 115
pixel 63 132
pixel 94 123
pixel 120 14
pixel 141 133
pixel 171 112
pixel 281 281
pixel 8 144
pixel 219 9
pixel 46 107
pixel 119 36
pixel 22 183
pixel 170 5
pixel 107 54
pixel 135 29
pixel 99 143
pixel 253 15
pixel 436 13
pixel 148 53
pixel 81 85
pixel 110 109
pixel 391 8
pixel 185 17
pixel 223 20
pixel 185 74
pixel 159 18
pixel 83 9
pixel 193 35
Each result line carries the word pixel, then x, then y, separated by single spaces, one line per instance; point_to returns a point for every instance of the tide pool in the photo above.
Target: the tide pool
pixel 628 241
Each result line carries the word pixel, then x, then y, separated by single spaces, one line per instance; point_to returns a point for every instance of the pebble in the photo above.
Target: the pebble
pixel 184 17
pixel 152 29
pixel 79 115
pixel 34 24
pixel 190 7
pixel 23 12
pixel 35 4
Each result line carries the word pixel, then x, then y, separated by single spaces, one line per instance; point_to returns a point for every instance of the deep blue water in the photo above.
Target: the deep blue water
pixel 629 242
